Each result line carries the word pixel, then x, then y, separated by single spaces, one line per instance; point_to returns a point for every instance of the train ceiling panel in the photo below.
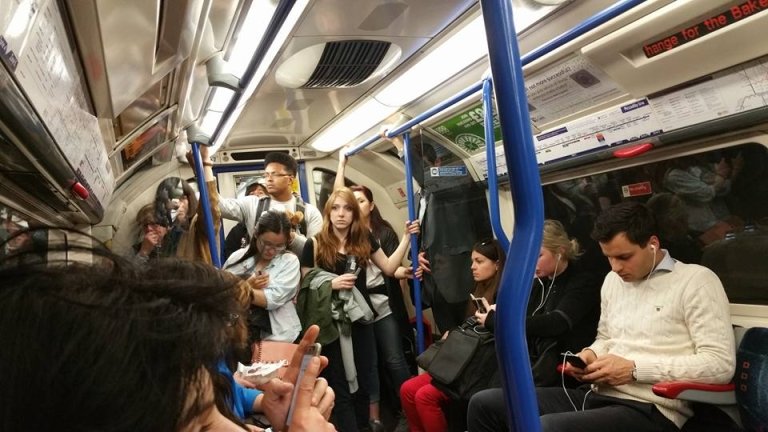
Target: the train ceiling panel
pixel 128 46
pixel 288 104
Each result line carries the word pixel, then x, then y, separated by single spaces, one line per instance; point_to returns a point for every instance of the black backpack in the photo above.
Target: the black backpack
pixel 300 206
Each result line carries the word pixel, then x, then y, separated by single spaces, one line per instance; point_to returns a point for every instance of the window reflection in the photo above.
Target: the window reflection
pixel 712 209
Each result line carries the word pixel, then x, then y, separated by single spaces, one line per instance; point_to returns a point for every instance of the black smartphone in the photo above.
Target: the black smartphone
pixel 574 360
pixel 478 303
pixel 312 351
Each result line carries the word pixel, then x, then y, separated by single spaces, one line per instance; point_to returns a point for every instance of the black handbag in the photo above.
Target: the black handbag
pixel 425 359
pixel 544 360
pixel 465 363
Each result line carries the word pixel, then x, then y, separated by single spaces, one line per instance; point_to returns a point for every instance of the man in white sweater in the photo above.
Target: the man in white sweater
pixel 660 320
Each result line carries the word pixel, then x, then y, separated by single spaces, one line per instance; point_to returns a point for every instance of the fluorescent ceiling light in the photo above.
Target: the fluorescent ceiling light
pixel 352 124
pixel 210 122
pixel 462 49
pixel 250 34
pixel 220 98
pixel 290 22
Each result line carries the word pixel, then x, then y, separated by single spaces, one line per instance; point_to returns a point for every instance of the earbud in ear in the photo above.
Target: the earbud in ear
pixel 653 248
pixel 559 256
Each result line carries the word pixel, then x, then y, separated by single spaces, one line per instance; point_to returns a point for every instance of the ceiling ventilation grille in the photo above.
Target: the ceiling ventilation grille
pixel 347 63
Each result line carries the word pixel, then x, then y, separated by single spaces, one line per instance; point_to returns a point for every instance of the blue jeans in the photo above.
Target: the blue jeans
pixel 389 349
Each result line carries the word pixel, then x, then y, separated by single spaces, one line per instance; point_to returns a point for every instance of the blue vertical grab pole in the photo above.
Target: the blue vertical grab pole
pixel 201 186
pixel 512 351
pixel 490 160
pixel 414 243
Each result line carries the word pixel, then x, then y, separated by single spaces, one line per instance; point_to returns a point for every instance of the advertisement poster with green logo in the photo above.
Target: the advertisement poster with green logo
pixel 467 130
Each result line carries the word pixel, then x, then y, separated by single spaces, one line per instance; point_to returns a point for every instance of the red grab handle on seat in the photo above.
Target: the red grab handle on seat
pixel 672 389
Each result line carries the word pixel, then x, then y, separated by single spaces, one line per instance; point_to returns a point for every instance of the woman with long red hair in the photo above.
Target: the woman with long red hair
pixel 334 262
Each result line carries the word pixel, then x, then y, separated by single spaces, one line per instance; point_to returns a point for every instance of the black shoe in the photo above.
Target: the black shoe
pixel 402 424
pixel 376 426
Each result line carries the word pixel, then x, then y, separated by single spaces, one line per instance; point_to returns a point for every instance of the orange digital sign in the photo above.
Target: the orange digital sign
pixel 712 24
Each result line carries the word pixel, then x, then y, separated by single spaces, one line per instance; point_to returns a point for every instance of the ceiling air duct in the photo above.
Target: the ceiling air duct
pixel 338 64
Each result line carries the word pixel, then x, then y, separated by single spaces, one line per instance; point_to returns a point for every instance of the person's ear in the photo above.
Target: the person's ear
pixel 654 242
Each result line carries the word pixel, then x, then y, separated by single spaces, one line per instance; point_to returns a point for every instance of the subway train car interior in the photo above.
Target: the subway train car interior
pixel 146 123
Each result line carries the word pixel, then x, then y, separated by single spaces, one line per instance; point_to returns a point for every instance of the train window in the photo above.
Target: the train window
pixel 245 183
pixel 323 185
pixel 712 209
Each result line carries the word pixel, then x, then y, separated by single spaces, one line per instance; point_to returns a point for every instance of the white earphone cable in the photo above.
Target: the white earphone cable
pixel 565 390
pixel 653 263
pixel 548 290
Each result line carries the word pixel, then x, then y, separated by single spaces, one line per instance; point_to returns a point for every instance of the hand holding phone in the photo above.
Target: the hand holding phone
pixel 574 360
pixel 312 351
pixel 478 302
pixel 259 280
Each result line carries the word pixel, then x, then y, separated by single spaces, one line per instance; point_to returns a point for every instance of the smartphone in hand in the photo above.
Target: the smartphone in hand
pixel 574 360
pixel 478 301
pixel 312 351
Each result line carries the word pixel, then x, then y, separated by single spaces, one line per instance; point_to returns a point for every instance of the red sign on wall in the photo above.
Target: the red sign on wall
pixel 636 189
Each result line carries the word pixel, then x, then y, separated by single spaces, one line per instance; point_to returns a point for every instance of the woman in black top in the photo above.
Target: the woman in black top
pixel 564 306
pixel 344 235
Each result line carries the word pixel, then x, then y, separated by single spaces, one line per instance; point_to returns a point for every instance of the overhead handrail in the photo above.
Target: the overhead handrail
pixel 442 106
pixel 490 160
pixel 202 187
pixel 585 26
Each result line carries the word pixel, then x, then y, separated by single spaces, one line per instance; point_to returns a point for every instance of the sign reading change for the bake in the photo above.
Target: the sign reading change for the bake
pixel 467 129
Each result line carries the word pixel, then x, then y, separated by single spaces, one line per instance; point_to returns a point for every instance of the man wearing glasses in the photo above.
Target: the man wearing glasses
pixel 279 173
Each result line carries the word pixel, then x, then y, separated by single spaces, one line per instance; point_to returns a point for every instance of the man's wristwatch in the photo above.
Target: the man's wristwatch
pixel 634 373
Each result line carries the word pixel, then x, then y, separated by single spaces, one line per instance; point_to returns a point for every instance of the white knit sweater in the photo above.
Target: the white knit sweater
pixel 675 326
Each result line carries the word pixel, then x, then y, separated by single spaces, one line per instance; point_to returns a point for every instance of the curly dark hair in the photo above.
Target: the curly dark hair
pixel 283 159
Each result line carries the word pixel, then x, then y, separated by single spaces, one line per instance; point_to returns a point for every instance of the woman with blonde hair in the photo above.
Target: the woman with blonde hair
pixel 564 306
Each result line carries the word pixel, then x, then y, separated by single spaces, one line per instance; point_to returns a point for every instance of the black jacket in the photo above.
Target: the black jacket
pixel 571 310
pixel 570 313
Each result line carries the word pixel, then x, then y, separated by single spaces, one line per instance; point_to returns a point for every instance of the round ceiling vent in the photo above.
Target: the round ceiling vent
pixel 346 63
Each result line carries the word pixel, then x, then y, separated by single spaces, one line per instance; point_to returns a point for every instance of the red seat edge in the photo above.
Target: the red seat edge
pixel 672 389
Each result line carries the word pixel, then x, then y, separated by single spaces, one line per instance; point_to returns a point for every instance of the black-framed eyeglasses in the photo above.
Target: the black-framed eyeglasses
pixel 276 175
